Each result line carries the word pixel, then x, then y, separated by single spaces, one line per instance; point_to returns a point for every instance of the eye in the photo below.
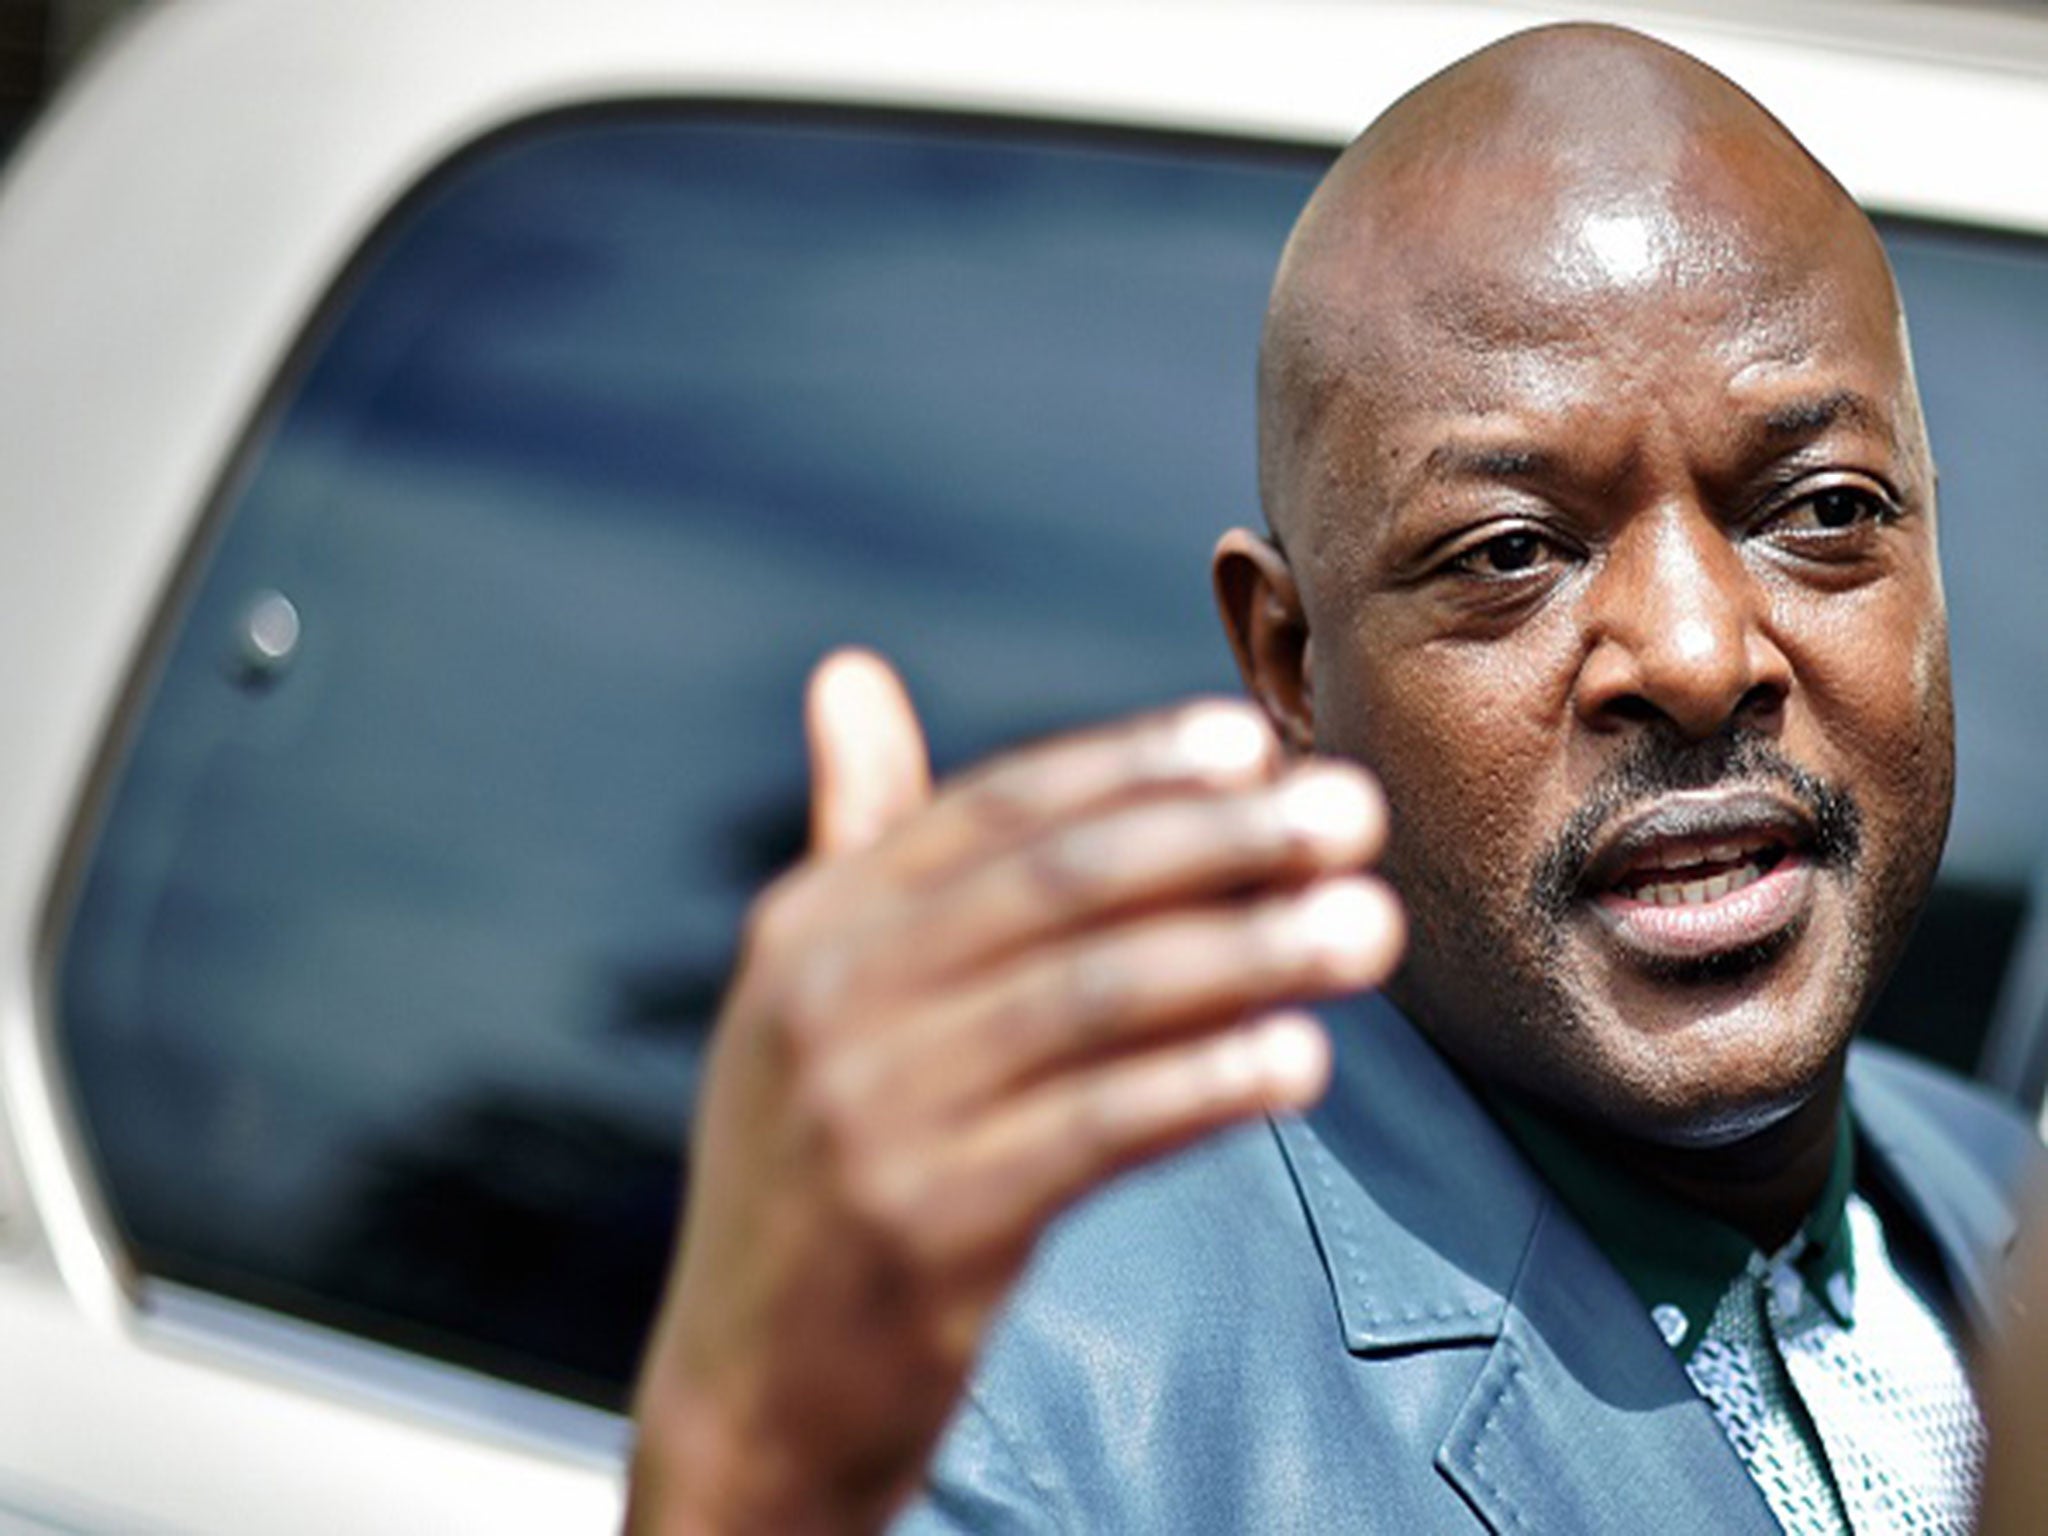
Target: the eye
pixel 1514 553
pixel 1836 509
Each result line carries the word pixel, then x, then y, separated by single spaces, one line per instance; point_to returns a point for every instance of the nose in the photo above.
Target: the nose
pixel 1678 630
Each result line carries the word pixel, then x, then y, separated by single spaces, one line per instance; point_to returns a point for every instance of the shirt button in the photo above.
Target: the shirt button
pixel 1670 1321
pixel 1786 1292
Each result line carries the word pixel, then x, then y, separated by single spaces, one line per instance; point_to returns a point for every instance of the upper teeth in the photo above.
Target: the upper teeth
pixel 1680 855
pixel 1692 893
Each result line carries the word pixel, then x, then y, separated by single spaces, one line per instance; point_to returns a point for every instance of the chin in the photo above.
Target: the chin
pixel 1726 1050
pixel 1716 1116
pixel 1717 1063
pixel 1709 1049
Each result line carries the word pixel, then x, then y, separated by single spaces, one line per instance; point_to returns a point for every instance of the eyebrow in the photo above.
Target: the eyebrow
pixel 1467 460
pixel 1813 416
pixel 1454 461
pixel 1795 420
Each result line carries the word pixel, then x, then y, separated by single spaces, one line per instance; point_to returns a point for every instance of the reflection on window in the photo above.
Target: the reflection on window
pixel 1979 313
pixel 388 980
pixel 386 988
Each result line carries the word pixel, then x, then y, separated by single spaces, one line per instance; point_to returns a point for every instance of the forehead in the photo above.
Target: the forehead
pixel 1584 311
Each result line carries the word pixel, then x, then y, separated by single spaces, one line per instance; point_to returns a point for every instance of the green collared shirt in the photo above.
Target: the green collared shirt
pixel 1678 1260
pixel 1834 1382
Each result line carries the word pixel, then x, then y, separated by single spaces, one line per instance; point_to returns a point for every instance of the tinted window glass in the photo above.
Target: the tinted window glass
pixel 1979 313
pixel 385 989
pixel 389 973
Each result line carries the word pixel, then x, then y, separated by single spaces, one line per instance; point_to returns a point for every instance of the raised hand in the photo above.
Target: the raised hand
pixel 963 1010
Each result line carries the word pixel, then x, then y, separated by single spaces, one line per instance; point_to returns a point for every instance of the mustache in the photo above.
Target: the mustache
pixel 1659 763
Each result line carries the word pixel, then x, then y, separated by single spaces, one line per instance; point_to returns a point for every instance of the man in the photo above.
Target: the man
pixel 1602 534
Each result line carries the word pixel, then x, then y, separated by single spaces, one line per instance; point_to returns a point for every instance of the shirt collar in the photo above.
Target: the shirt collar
pixel 1679 1260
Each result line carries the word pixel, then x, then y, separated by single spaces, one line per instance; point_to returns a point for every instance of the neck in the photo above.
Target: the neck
pixel 1765 1184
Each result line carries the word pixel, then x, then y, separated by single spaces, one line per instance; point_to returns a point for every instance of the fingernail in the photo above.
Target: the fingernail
pixel 1221 739
pixel 1294 1056
pixel 1327 804
pixel 1339 916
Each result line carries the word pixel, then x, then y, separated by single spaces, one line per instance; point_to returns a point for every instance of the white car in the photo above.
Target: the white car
pixel 435 437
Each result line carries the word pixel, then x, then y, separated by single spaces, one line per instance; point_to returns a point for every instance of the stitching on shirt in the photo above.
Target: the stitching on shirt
pixel 1510 1353
pixel 1512 1368
pixel 1302 1155
pixel 1350 1264
pixel 1333 1207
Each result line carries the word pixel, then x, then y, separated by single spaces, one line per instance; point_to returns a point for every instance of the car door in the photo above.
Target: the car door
pixel 448 460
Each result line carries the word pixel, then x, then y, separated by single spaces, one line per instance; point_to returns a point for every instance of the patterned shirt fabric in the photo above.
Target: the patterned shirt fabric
pixel 1834 1381
pixel 1851 1411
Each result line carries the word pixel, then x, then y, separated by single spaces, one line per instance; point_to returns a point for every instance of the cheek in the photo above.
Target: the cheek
pixel 1470 746
pixel 1876 682
pixel 1919 774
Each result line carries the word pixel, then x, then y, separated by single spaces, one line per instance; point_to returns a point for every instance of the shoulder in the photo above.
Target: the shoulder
pixel 1168 1273
pixel 1128 1367
pixel 1913 1101
pixel 1273 1330
pixel 1121 1386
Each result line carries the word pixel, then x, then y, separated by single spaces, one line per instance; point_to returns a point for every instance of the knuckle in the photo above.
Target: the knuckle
pixel 813 998
pixel 1011 1022
pixel 1091 990
pixel 1001 800
pixel 1049 1009
pixel 887 1195
pixel 1212 1082
pixel 1093 1119
pixel 1064 867
pixel 1074 1000
pixel 833 1106
pixel 1262 830
pixel 1265 958
pixel 1278 949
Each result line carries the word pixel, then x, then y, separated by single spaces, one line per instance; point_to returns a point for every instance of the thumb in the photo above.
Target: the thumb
pixel 868 764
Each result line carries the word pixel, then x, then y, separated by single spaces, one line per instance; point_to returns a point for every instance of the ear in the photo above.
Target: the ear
pixel 1268 631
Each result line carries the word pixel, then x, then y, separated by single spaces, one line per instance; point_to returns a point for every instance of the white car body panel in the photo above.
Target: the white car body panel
pixel 165 236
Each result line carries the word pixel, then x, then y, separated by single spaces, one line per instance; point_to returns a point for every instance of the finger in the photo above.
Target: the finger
pixel 1210 744
pixel 1012 1172
pixel 1175 850
pixel 869 767
pixel 1136 987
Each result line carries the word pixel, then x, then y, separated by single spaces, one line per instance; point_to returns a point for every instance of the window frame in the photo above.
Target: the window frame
pixel 179 1315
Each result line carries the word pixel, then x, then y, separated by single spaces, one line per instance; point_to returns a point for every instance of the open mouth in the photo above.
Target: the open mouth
pixel 1688 873
pixel 1699 875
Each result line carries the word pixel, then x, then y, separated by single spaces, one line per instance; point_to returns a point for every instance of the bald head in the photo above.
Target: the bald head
pixel 1498 200
pixel 1592 444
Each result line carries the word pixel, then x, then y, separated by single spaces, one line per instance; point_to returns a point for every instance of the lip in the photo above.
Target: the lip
pixel 1735 920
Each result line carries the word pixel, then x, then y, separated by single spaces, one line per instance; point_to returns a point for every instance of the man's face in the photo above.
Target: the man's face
pixel 1622 576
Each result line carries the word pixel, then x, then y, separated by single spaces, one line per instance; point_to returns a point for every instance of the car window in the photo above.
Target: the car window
pixel 1978 306
pixel 388 979
pixel 389 970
